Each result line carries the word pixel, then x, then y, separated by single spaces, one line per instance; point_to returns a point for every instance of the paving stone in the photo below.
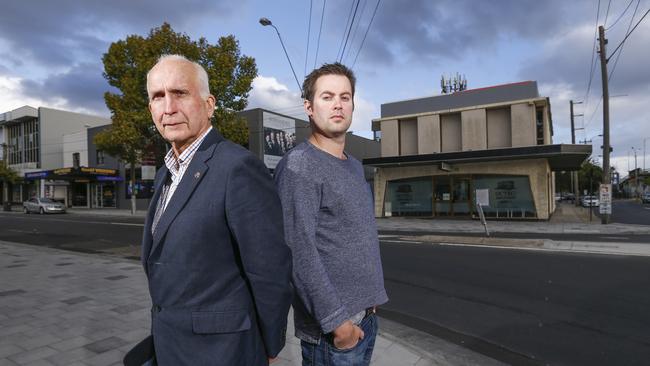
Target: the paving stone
pixel 39 363
pixel 40 341
pixel 105 344
pixel 71 343
pixel 33 355
pixel 11 292
pixel 106 358
pixel 125 309
pixel 63 275
pixel 9 349
pixel 76 300
pixel 115 278
pixel 68 357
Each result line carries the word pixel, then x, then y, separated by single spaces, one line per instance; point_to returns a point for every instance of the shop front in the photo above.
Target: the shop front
pixel 77 187
pixel 513 183
pixel 447 195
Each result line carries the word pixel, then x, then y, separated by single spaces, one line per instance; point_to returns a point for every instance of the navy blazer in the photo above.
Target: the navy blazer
pixel 218 267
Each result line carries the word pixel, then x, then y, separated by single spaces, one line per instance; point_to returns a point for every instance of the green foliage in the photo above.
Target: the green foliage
pixel 7 174
pixel 590 176
pixel 125 67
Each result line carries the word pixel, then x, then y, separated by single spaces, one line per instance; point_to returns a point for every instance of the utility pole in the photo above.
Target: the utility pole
pixel 603 72
pixel 574 174
pixel 636 175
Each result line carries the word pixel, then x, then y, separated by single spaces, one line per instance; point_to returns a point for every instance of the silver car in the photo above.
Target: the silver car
pixel 42 205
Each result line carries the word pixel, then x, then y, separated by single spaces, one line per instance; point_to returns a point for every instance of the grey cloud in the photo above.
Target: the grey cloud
pixel 46 31
pixel 434 31
pixel 83 86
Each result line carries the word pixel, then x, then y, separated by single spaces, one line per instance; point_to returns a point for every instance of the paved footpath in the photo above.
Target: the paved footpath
pixel 65 308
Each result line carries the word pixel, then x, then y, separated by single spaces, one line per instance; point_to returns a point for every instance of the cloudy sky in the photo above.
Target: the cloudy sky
pixel 50 52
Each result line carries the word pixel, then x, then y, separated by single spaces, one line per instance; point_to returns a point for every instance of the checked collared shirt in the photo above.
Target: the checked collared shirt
pixel 177 168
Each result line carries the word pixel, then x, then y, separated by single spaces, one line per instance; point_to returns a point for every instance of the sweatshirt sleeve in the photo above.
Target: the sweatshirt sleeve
pixel 301 196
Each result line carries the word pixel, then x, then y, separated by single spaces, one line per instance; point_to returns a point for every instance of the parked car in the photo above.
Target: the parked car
pixel 646 197
pixel 590 201
pixel 569 197
pixel 42 205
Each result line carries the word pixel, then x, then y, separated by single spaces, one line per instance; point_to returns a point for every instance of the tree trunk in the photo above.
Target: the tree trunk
pixel 133 188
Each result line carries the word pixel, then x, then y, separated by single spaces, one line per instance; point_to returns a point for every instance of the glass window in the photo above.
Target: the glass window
pixel 540 126
pixel 409 197
pixel 510 196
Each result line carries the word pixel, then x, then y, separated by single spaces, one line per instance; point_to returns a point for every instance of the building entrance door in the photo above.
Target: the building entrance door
pixel 96 193
pixel 442 195
pixel 461 196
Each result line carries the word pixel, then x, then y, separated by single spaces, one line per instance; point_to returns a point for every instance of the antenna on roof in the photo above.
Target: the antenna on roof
pixel 452 85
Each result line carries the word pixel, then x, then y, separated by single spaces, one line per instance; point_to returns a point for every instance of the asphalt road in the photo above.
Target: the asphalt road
pixel 522 307
pixel 629 212
pixel 517 306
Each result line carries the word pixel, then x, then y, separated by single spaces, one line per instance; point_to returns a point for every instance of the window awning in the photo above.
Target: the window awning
pixel 560 157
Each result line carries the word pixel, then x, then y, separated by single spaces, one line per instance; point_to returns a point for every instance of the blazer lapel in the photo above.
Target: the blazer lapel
pixel 190 180
pixel 147 237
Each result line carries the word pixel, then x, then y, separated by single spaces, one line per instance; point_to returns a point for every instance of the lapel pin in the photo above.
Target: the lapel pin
pixel 197 175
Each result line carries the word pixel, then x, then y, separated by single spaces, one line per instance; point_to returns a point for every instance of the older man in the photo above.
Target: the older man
pixel 213 246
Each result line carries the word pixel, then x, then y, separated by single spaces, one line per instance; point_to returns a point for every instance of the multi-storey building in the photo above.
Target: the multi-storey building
pixel 438 154
pixel 35 143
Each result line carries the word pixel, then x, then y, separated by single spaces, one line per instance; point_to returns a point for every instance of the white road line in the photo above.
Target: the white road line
pixel 87 222
pixel 401 241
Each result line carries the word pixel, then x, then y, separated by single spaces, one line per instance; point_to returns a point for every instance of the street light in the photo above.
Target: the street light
pixel 267 21
pixel 636 172
pixel 644 140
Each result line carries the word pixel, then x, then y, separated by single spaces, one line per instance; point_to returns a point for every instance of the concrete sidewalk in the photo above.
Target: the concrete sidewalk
pixel 567 219
pixel 65 308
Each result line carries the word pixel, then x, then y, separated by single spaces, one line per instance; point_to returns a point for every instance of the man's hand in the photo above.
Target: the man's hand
pixel 347 335
pixel 272 360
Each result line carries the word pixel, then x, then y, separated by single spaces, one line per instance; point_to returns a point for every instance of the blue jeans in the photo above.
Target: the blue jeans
pixel 325 354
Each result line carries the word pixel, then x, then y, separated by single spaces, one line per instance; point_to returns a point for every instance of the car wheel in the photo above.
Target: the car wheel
pixel 25 210
pixel 41 211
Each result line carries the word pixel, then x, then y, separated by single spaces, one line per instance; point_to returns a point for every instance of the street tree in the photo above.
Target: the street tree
pixel 133 134
pixel 7 176
pixel 590 176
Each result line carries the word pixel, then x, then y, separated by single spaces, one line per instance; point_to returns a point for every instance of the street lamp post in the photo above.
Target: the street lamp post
pixel 636 174
pixel 644 140
pixel 265 22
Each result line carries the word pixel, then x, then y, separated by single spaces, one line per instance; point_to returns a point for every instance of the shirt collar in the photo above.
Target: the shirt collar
pixel 173 164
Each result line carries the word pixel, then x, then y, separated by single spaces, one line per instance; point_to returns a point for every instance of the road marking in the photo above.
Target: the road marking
pixel 125 224
pixel 84 222
pixel 401 241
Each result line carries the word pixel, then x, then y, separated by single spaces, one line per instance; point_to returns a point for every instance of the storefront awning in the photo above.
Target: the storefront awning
pixel 84 173
pixel 560 157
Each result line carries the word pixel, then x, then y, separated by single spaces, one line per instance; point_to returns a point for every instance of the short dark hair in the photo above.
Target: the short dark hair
pixel 337 68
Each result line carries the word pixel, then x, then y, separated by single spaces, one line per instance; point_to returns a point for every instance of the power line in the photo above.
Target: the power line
pixel 366 34
pixel 311 3
pixel 607 12
pixel 628 34
pixel 628 29
pixel 620 16
pixel 345 30
pixel 322 15
pixel 592 64
pixel 349 30
pixel 354 33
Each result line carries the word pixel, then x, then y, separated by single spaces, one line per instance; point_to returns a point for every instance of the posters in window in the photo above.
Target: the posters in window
pixel 279 137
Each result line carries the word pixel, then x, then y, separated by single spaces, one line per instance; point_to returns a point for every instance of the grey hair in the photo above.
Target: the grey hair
pixel 201 74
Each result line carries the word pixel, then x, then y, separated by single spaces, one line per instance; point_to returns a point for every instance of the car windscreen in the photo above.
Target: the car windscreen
pixel 46 200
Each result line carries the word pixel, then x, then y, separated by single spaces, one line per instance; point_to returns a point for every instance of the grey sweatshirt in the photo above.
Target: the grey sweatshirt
pixel 330 227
